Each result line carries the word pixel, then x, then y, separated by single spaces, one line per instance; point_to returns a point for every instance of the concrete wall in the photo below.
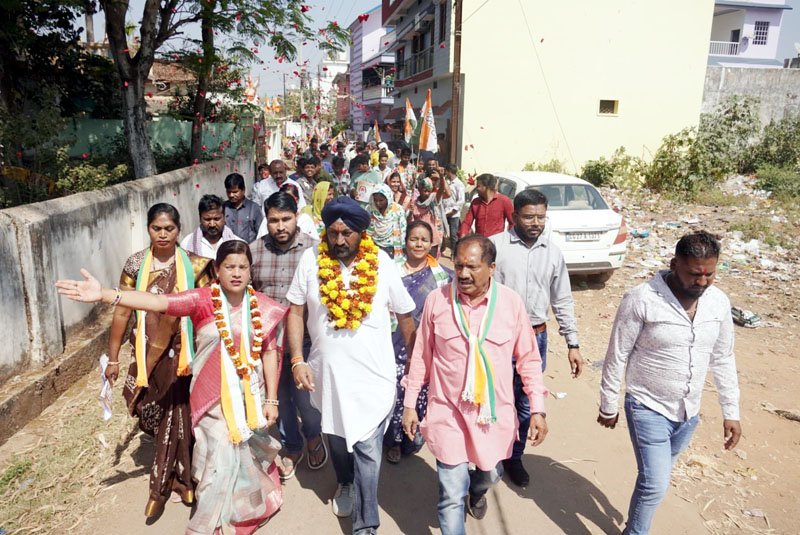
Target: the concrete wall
pixel 649 56
pixel 98 230
pixel 778 90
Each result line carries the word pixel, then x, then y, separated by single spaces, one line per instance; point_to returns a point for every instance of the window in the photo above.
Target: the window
pixel 608 107
pixel 761 32
pixel 442 22
pixel 435 85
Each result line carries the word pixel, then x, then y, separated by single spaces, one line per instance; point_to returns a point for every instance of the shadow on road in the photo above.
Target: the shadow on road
pixel 142 457
pixel 566 496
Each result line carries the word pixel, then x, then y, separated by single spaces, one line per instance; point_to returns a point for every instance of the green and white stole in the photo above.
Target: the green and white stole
pixel 479 386
pixel 184 281
pixel 240 396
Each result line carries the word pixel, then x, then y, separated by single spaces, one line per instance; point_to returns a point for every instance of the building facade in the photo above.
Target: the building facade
pixel 371 70
pixel 746 34
pixel 540 83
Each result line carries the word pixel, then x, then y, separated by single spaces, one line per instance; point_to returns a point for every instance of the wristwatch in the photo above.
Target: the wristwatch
pixel 573 346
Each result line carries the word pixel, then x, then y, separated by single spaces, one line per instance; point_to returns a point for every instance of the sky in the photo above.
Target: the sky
pixel 270 74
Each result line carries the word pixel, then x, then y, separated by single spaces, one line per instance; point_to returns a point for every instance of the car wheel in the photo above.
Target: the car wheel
pixel 600 278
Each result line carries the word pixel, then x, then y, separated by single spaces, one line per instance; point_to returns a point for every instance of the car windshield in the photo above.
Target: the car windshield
pixel 571 197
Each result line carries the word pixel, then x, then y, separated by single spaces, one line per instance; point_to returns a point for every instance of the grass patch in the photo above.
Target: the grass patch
pixel 717 197
pixel 14 472
pixel 763 229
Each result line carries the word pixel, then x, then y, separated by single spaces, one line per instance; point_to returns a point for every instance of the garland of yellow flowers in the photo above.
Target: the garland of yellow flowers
pixel 348 306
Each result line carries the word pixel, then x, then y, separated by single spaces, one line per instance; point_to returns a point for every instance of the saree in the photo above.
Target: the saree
pixel 163 406
pixel 238 485
pixel 419 285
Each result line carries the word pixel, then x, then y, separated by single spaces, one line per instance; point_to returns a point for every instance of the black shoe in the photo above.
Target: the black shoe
pixel 516 472
pixel 477 506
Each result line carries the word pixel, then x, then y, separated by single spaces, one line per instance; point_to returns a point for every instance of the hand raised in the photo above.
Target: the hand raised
pixel 85 291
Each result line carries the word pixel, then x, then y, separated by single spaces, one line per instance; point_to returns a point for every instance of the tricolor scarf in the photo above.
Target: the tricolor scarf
pixel 439 275
pixel 479 386
pixel 184 281
pixel 240 397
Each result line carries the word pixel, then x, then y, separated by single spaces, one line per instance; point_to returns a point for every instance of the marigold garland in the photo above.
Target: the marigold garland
pixel 347 307
pixel 243 367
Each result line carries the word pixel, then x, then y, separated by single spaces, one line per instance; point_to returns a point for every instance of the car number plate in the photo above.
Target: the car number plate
pixel 583 236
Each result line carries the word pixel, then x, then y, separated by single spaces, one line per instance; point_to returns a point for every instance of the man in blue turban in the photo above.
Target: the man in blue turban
pixel 349 372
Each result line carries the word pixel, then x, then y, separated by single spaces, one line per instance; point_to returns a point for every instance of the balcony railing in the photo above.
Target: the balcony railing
pixel 417 63
pixel 723 48
pixel 375 92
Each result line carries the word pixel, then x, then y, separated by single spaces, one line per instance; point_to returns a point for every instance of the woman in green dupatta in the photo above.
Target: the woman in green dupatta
pixel 154 390
pixel 323 193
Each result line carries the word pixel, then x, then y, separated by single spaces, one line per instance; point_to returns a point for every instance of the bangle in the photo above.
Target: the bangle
pixel 272 402
pixel 296 364
pixel 295 360
pixel 117 297
pixel 114 362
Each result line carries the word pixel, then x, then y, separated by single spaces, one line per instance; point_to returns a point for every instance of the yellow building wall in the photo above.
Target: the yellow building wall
pixel 650 56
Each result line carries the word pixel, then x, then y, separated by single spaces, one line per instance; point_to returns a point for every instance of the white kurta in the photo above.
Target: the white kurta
pixel 354 372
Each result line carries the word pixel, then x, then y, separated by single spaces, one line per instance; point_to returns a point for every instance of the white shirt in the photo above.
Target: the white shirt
pixel 665 356
pixel 266 187
pixel 354 372
pixel 456 199
pixel 304 223
pixel 207 249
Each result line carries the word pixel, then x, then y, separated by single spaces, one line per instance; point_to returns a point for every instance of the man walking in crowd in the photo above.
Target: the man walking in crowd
pixel 261 187
pixel 275 258
pixel 212 232
pixel 452 206
pixel 242 215
pixel 341 178
pixel 531 265
pixel 383 168
pixel 273 183
pixel 363 172
pixel 489 210
pixel 350 375
pixel 472 420
pixel 407 170
pixel 667 333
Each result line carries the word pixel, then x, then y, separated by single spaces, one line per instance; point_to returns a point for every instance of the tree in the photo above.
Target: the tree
pixel 244 23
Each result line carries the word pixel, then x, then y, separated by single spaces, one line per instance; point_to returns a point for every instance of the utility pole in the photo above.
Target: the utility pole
pixel 284 89
pixel 302 88
pixel 456 97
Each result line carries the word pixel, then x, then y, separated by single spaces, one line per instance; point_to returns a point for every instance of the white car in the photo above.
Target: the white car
pixel 592 236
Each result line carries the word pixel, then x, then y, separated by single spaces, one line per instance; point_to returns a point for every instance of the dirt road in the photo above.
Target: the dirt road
pixel 70 472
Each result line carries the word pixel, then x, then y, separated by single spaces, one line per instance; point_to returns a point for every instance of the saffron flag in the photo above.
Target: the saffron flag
pixel 427 133
pixel 411 122
pixel 377 132
pixel 276 105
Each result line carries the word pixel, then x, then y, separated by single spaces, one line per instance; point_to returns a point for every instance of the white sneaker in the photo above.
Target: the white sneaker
pixel 343 501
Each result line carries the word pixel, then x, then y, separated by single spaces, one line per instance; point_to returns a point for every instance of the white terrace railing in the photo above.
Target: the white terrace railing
pixel 723 48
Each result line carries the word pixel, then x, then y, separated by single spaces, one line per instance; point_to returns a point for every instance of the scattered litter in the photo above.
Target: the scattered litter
pixel 740 454
pixel 691 220
pixel 560 395
pixel 637 233
pixel 755 513
pixel 789 415
pixel 745 318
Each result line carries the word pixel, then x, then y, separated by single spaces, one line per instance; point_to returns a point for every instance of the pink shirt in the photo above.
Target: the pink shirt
pixel 451 426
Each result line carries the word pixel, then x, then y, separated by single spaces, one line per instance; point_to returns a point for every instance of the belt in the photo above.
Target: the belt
pixel 539 329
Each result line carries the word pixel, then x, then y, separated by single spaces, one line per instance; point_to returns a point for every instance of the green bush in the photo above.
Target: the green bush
pixel 780 144
pixel 553 166
pixel 782 182
pixel 683 166
pixel 729 134
pixel 622 171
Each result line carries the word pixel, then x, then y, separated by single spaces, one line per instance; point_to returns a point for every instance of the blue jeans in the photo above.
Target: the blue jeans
pixel 293 401
pixel 657 442
pixel 523 404
pixel 361 467
pixel 455 482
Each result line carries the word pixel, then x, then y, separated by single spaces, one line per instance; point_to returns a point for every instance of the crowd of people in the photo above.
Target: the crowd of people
pixel 281 309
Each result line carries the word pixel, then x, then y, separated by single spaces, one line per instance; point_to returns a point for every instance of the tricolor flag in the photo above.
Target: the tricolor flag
pixel 411 122
pixel 427 133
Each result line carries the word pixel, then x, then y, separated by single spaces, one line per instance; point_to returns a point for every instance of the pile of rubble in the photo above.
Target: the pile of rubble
pixel 655 224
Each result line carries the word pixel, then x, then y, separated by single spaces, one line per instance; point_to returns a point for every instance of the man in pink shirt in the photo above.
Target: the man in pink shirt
pixel 468 335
